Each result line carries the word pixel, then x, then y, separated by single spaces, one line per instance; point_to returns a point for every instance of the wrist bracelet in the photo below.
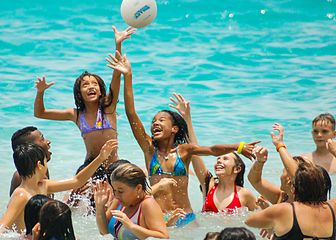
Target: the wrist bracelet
pixel 280 145
pixel 240 147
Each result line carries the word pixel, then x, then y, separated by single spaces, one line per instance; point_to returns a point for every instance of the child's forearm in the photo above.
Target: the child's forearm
pixel 39 108
pixel 128 95
pixel 88 171
pixel 101 219
pixel 221 149
pixel 255 173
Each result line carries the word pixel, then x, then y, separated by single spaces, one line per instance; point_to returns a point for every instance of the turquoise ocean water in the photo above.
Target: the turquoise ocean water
pixel 243 64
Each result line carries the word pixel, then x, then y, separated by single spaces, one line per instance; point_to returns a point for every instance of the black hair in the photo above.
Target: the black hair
pixel 236 233
pixel 240 176
pixel 55 221
pixel 103 102
pixel 26 157
pixel 182 135
pixel 327 180
pixel 22 136
pixel 32 210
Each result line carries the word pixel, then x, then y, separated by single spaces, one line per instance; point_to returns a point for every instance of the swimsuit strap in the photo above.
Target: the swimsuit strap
pixel 101 123
pixel 333 236
pixel 156 168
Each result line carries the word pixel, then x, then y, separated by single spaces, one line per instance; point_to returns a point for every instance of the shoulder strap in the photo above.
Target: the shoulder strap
pixel 334 222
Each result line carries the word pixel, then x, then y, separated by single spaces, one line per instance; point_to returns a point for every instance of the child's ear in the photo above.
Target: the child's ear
pixel 237 169
pixel 40 165
pixel 334 133
pixel 175 129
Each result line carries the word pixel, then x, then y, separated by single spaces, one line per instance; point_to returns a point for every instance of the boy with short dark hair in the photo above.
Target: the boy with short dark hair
pixel 31 163
pixel 24 135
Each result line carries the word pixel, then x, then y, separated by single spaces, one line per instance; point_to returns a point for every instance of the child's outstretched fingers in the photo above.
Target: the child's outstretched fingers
pixel 42 85
pixel 121 36
pixel 181 105
pixel 108 147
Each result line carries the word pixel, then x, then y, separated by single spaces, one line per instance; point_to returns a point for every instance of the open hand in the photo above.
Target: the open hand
pixel 181 105
pixel 119 63
pixel 42 85
pixel 101 193
pixel 108 148
pixel 119 37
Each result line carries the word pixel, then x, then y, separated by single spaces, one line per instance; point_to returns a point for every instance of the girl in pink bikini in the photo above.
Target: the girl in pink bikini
pixel 95 112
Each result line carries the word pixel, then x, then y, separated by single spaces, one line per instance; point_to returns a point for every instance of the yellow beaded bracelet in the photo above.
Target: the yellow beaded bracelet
pixel 240 147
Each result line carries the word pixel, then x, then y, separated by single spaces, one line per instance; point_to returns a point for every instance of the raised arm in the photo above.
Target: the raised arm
pixel 80 179
pixel 114 89
pixel 101 193
pixel 122 64
pixel 270 191
pixel 183 107
pixel 51 114
pixel 289 163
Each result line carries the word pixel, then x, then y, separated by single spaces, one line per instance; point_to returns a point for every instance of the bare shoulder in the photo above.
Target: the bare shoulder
pixel 149 204
pixel 20 195
pixel 244 192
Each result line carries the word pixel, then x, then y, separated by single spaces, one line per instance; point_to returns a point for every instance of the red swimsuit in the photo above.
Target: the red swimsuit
pixel 209 205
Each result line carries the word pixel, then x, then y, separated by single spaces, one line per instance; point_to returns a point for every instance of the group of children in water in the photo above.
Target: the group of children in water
pixel 129 206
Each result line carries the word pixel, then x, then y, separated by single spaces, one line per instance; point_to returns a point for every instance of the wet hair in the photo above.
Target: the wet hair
pixel 32 210
pixel 309 184
pixel 211 236
pixel 55 220
pixel 113 166
pixel 326 176
pixel 236 233
pixel 324 118
pixel 240 176
pixel 327 181
pixel 131 175
pixel 182 135
pixel 26 157
pixel 299 159
pixel 103 101
pixel 22 136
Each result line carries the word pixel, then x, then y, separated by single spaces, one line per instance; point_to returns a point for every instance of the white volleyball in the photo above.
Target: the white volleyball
pixel 138 13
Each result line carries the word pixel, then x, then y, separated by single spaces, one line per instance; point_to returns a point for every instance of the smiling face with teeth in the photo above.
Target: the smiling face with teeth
pixel 162 126
pixel 90 89
pixel 230 164
pixel 225 164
